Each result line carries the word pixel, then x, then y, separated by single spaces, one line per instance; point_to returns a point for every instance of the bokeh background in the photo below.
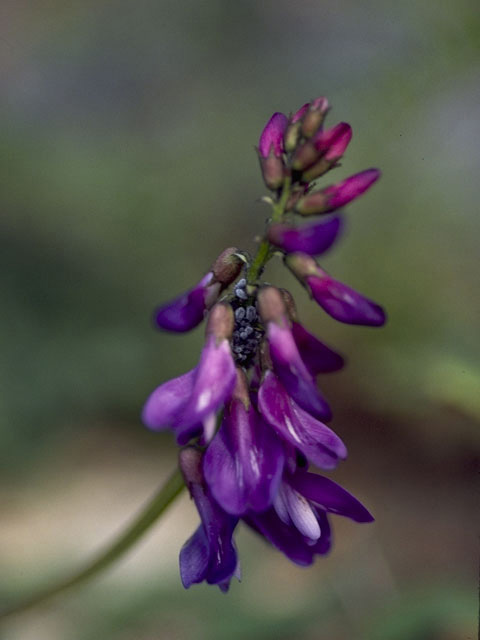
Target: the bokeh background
pixel 127 164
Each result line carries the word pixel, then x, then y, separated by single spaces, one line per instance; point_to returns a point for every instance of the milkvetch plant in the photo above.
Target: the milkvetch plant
pixel 250 417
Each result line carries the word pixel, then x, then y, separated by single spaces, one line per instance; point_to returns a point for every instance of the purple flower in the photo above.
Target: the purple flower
pixel 319 444
pixel 210 553
pixel 187 311
pixel 298 524
pixel 286 360
pixel 188 404
pixel 337 195
pixel 271 138
pixel 313 239
pixel 244 462
pixel 340 301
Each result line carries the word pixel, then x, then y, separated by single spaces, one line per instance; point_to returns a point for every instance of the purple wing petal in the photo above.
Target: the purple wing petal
pixel 244 462
pixel 313 239
pixel 318 358
pixel 186 311
pixel 293 373
pixel 167 400
pixel 213 385
pixel 330 496
pixel 344 303
pixel 314 439
pixel 194 558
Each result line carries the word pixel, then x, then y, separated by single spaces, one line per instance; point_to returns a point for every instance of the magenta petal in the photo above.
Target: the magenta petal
pixel 330 496
pixel 186 311
pixel 243 464
pixel 344 303
pixel 298 115
pixel 313 239
pixel 213 385
pixel 315 440
pixel 166 401
pixel 318 358
pixel 346 191
pixel 272 135
pixel 333 142
pixel 293 373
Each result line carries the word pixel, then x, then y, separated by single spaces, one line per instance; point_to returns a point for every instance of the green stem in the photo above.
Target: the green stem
pixel 264 252
pixel 145 519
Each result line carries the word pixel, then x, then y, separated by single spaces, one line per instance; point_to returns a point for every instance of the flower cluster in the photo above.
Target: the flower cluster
pixel 250 416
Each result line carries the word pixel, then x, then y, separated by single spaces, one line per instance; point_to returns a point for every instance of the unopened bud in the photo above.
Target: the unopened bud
pixel 292 136
pixel 331 146
pixel 220 322
pixel 273 170
pixel 304 156
pixel 271 305
pixel 227 266
pixel 314 117
pixel 190 462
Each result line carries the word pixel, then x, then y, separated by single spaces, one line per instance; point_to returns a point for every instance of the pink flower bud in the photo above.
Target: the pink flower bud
pixel 337 195
pixel 272 135
pixel 314 117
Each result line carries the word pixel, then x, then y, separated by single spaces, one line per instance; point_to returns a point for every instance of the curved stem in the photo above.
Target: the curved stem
pixel 145 519
pixel 264 252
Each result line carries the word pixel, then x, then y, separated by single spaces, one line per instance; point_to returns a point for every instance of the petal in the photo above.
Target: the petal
pixel 318 358
pixel 282 536
pixel 272 135
pixel 333 142
pixel 194 559
pixel 218 529
pixel 213 385
pixel 186 311
pixel 344 303
pixel 314 439
pixel 293 373
pixel 313 239
pixel 330 496
pixel 298 115
pixel 244 462
pixel 300 512
pixel 167 400
pixel 341 194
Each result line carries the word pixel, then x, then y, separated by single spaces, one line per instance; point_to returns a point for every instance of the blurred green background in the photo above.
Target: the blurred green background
pixel 127 165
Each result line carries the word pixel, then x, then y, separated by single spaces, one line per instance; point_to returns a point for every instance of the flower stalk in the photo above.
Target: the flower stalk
pixel 138 527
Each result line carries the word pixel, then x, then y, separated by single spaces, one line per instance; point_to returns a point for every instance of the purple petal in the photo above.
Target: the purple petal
pixel 344 303
pixel 333 142
pixel 244 462
pixel 314 439
pixel 330 496
pixel 167 400
pixel 318 358
pixel 213 385
pixel 293 373
pixel 313 239
pixel 301 513
pixel 284 537
pixel 346 191
pixel 186 311
pixel 194 557
pixel 272 135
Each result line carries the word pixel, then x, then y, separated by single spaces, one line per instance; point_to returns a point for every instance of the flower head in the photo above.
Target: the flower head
pixel 250 413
